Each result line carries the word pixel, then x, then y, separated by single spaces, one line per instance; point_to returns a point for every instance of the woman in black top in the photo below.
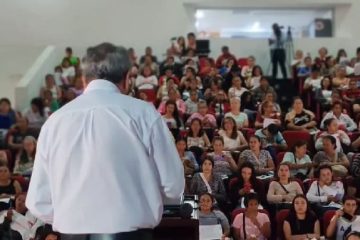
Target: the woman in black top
pixel 8 186
pixel 245 184
pixel 301 223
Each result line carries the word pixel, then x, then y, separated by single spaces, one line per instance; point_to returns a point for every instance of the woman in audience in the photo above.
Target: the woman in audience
pixel 7 115
pixel 19 221
pixel 340 80
pixel 344 121
pixel 271 139
pixel 207 181
pixel 332 129
pixel 301 223
pixel 341 56
pixel 244 184
pixel 17 134
pixel 343 220
pixel 246 71
pixel 35 115
pixel 261 159
pixel 337 160
pixel 313 82
pixel 282 191
pixel 237 89
pixel 248 106
pixel 304 71
pixel 252 224
pixel 192 103
pixel 224 164
pixel 234 140
pixel 50 103
pixel 25 159
pixel 193 86
pixel 329 68
pixel 196 136
pixel 254 81
pixel 151 64
pixel 325 193
pixel 323 95
pixel 168 83
pixel 171 115
pixel 8 186
pixel 207 120
pixel 209 216
pixel 68 71
pixel 298 161
pixel 51 86
pixel 173 95
pixel 298 60
pixel 300 119
pixel 187 157
pixel 146 80
pixel 78 86
pixel 271 97
pixel 213 90
pixel 190 73
pixel 240 118
pixel 267 113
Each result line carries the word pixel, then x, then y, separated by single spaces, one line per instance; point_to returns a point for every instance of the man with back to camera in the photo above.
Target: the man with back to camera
pixel 105 161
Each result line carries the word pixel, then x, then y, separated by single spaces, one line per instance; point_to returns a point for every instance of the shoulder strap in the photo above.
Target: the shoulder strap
pixel 206 183
pixel 318 188
pixel 244 225
pixel 282 186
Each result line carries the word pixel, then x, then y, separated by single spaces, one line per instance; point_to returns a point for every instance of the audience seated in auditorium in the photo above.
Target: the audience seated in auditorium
pixel 305 70
pixel 244 184
pixel 301 222
pixel 192 102
pixel 261 159
pixel 237 88
pixel 7 115
pixel 323 94
pixel 207 120
pixel 337 160
pixel 240 118
pixel 74 61
pixel 246 71
pixel 313 82
pixel 25 158
pixel 252 224
pixel 147 79
pixel 224 57
pixel 173 95
pixel 8 186
pixel 325 193
pixel 171 116
pixel 211 92
pixel 344 121
pixel 208 216
pixel 298 60
pixel 35 115
pixel 207 181
pixel 50 103
pixel 271 139
pixel 300 119
pixel 78 88
pixel 234 140
pixel 270 97
pixel 197 136
pixel 254 82
pixel 345 220
pixel 267 115
pixel 299 162
pixel 352 93
pixel 68 71
pixel 248 106
pixel 187 157
pixel 148 52
pixel 18 132
pixel 329 68
pixel 193 86
pixel 282 191
pixel 190 74
pixel 18 222
pixel 340 80
pixel 332 129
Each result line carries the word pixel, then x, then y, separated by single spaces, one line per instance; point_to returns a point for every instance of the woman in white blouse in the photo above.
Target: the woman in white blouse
pixel 240 118
pixel 196 136
pixel 234 140
pixel 147 80
pixel 236 89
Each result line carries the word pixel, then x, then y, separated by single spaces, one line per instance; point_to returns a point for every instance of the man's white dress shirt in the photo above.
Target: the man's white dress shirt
pixel 104 164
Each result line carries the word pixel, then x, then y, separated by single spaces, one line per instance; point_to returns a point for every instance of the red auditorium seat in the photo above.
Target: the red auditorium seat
pixel 242 62
pixel 291 137
pixel 279 158
pixel 150 93
pixel 23 182
pixel 326 219
pixel 280 218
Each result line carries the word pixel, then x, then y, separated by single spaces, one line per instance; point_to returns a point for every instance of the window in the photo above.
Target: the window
pixel 256 23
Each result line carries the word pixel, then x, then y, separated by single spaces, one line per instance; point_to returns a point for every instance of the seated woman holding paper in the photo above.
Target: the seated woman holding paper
pixel 252 225
pixel 325 193
pixel 212 221
pixel 267 115
pixel 282 190
pixel 208 182
pixel 261 159
pixel 18 223
pixel 301 223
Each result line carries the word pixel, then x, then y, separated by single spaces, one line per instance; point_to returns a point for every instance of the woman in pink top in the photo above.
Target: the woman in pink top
pixel 254 225
pixel 207 120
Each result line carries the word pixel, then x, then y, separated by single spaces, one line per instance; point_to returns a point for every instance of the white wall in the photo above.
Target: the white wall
pixel 138 23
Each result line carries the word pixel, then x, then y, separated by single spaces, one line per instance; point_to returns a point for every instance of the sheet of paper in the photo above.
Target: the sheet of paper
pixel 210 232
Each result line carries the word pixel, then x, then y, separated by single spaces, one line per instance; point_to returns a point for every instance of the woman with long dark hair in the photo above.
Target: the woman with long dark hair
pixel 35 115
pixel 301 223
pixel 278 55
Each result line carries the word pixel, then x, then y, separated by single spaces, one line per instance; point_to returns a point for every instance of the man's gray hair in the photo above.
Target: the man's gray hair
pixel 106 61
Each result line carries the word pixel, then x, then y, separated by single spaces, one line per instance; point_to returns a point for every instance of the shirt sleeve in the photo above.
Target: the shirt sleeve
pixel 167 161
pixel 238 221
pixel 351 124
pixel 288 157
pixel 223 220
pixel 312 194
pixel 38 200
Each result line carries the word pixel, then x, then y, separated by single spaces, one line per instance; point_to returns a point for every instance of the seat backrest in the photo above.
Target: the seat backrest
pixel 327 218
pixel 291 137
pixel 242 62
pixel 280 218
pixel 279 158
